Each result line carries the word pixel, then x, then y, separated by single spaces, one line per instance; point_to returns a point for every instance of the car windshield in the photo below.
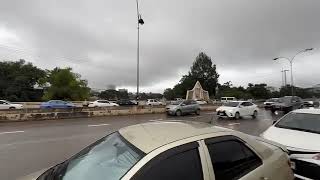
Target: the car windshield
pixel 285 100
pixel 301 122
pixel 109 158
pixel 231 104
pixel 176 102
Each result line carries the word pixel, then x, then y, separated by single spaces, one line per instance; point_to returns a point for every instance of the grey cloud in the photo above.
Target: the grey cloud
pixel 98 39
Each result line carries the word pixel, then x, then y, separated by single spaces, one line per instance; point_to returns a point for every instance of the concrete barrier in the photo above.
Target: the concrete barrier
pixel 49 114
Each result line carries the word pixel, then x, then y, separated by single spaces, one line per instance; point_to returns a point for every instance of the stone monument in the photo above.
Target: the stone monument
pixel 197 93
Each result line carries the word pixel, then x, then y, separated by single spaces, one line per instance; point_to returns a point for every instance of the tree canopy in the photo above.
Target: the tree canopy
pixel 202 70
pixel 18 80
pixel 65 84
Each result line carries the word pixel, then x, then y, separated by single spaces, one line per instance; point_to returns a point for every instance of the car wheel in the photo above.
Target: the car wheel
pixel 12 108
pixel 198 112
pixel 178 113
pixel 255 114
pixel 237 116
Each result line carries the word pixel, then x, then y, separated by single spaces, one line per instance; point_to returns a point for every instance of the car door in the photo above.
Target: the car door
pixel 231 159
pixel 179 163
pixel 250 108
pixel 4 105
pixel 187 106
pixel 243 110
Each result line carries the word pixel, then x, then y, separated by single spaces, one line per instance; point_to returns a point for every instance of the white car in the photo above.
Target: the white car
pixel 175 151
pixel 237 109
pixel 299 131
pixel 102 103
pixel 9 105
pixel 154 102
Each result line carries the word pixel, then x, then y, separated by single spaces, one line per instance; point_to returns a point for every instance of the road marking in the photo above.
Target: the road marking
pixel 11 132
pixel 98 125
pixel 155 120
pixel 232 124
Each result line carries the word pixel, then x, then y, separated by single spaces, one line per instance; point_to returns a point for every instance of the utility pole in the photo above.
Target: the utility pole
pixel 285 77
pixel 282 80
pixel 140 21
pixel 291 62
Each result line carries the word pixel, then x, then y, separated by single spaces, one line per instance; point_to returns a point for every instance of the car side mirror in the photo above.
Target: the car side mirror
pixel 241 106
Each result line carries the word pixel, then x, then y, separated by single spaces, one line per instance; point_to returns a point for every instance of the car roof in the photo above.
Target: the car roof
pixel 150 136
pixel 308 111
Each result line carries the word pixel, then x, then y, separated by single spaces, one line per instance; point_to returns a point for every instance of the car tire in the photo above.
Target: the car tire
pixel 255 114
pixel 198 112
pixel 237 116
pixel 12 107
pixel 178 113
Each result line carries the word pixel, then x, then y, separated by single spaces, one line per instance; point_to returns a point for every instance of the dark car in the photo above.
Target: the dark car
pixel 126 102
pixel 287 104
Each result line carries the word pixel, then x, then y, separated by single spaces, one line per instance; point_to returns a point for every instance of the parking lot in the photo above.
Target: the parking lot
pixel 26 147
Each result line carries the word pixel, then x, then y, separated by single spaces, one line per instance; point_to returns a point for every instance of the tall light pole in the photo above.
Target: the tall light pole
pixel 291 61
pixel 140 21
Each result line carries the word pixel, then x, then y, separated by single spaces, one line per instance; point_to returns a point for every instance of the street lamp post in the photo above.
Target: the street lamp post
pixel 291 61
pixel 140 21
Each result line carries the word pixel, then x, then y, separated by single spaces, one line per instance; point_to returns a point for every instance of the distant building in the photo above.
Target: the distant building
pixel 197 93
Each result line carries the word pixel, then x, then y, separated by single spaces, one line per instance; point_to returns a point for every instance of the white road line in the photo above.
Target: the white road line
pixel 155 120
pixel 98 125
pixel 11 132
pixel 232 124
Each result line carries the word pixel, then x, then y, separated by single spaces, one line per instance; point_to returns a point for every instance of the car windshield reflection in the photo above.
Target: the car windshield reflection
pixel 301 122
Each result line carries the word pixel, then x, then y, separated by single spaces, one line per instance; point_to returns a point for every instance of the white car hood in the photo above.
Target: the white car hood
pixel 293 139
pixel 226 108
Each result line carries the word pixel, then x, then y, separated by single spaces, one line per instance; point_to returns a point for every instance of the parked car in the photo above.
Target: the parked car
pixel 238 109
pixel 126 102
pixel 174 150
pixel 56 104
pixel 268 103
pixel 299 131
pixel 311 103
pixel 9 105
pixel 102 103
pixel 227 99
pixel 179 108
pixel 154 102
pixel 287 104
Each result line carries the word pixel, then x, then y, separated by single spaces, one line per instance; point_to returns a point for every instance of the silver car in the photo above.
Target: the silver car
pixel 179 108
pixel 174 150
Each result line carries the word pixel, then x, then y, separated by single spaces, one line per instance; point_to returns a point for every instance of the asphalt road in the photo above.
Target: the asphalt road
pixel 26 147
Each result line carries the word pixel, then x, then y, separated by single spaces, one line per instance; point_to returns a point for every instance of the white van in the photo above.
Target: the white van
pixel 227 99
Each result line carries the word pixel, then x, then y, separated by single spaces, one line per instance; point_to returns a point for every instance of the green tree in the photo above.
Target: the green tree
pixel 66 85
pixel 258 91
pixel 110 94
pixel 202 70
pixel 169 94
pixel 18 80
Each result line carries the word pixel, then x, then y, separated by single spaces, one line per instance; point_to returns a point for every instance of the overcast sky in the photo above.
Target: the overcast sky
pixel 98 39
